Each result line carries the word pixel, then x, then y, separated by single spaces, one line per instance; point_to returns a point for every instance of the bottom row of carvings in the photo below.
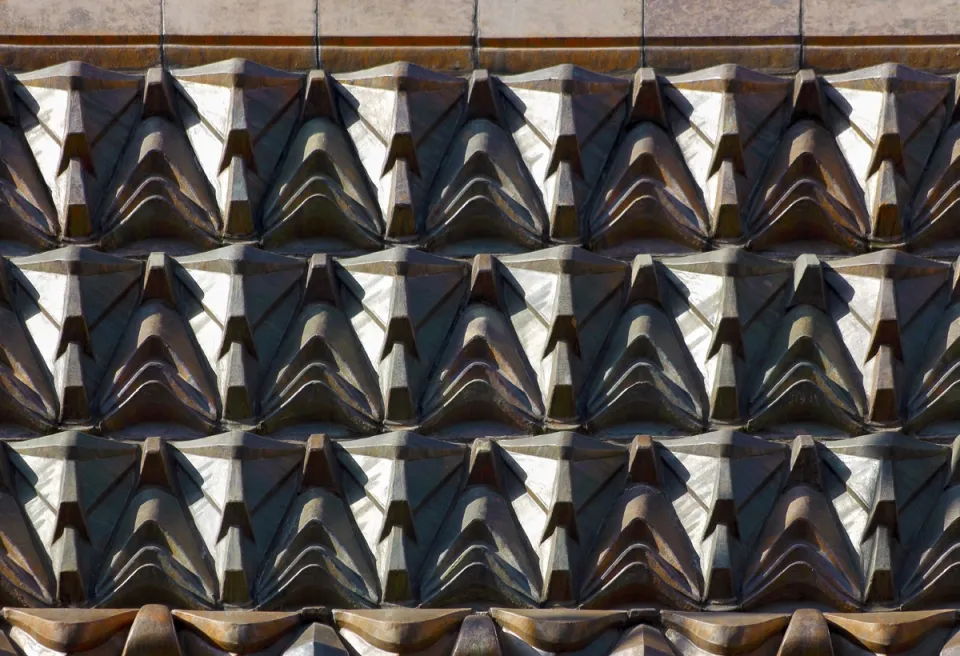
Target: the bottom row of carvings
pixel 720 521
pixel 155 631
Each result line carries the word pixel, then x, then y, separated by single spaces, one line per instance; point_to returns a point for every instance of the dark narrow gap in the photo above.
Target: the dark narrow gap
pixel 643 32
pixel 475 51
pixel 802 62
pixel 316 33
pixel 163 35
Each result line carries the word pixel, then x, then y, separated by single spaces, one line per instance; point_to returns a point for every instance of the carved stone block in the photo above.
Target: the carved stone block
pixel 238 301
pixel 565 121
pixel 727 121
pixel 159 198
pixel 75 303
pixel 402 304
pixel 76 119
pixel 888 138
pixel 401 118
pixel 562 302
pixel 238 116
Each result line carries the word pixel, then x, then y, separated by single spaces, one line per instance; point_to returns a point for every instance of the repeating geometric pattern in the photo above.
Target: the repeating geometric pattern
pixel 556 339
pixel 718 521
pixel 189 160
pixel 156 629
pixel 557 362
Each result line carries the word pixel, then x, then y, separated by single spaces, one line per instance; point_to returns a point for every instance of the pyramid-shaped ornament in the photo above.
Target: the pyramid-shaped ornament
pixel 322 375
pixel 565 121
pixel 483 198
pixel 803 553
pixel 401 118
pixel 482 553
pixel 808 199
pixel 888 138
pixel 807 377
pixel 320 556
pixel 157 375
pixel 75 303
pixel 646 379
pixel 643 554
pixel 238 116
pixel 322 199
pixel 159 199
pixel 77 118
pixel 482 380
pixel 156 552
pixel 726 120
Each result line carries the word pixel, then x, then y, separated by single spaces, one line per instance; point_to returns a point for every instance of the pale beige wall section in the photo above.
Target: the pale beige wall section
pixel 277 33
pixel 840 35
pixel 109 33
pixel 364 33
pixel 507 36
pixel 522 35
pixel 684 36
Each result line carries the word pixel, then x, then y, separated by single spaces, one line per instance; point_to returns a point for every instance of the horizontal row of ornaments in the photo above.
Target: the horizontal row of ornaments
pixel 717 521
pixel 155 630
pixel 188 160
pixel 558 339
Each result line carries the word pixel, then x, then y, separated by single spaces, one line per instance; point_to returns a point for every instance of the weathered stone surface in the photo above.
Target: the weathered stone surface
pixel 358 35
pixel 123 34
pixel 869 32
pixel 681 36
pixel 202 33
pixel 515 37
pixel 585 354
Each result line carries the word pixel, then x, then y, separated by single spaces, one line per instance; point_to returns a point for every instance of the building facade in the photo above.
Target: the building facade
pixel 519 328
